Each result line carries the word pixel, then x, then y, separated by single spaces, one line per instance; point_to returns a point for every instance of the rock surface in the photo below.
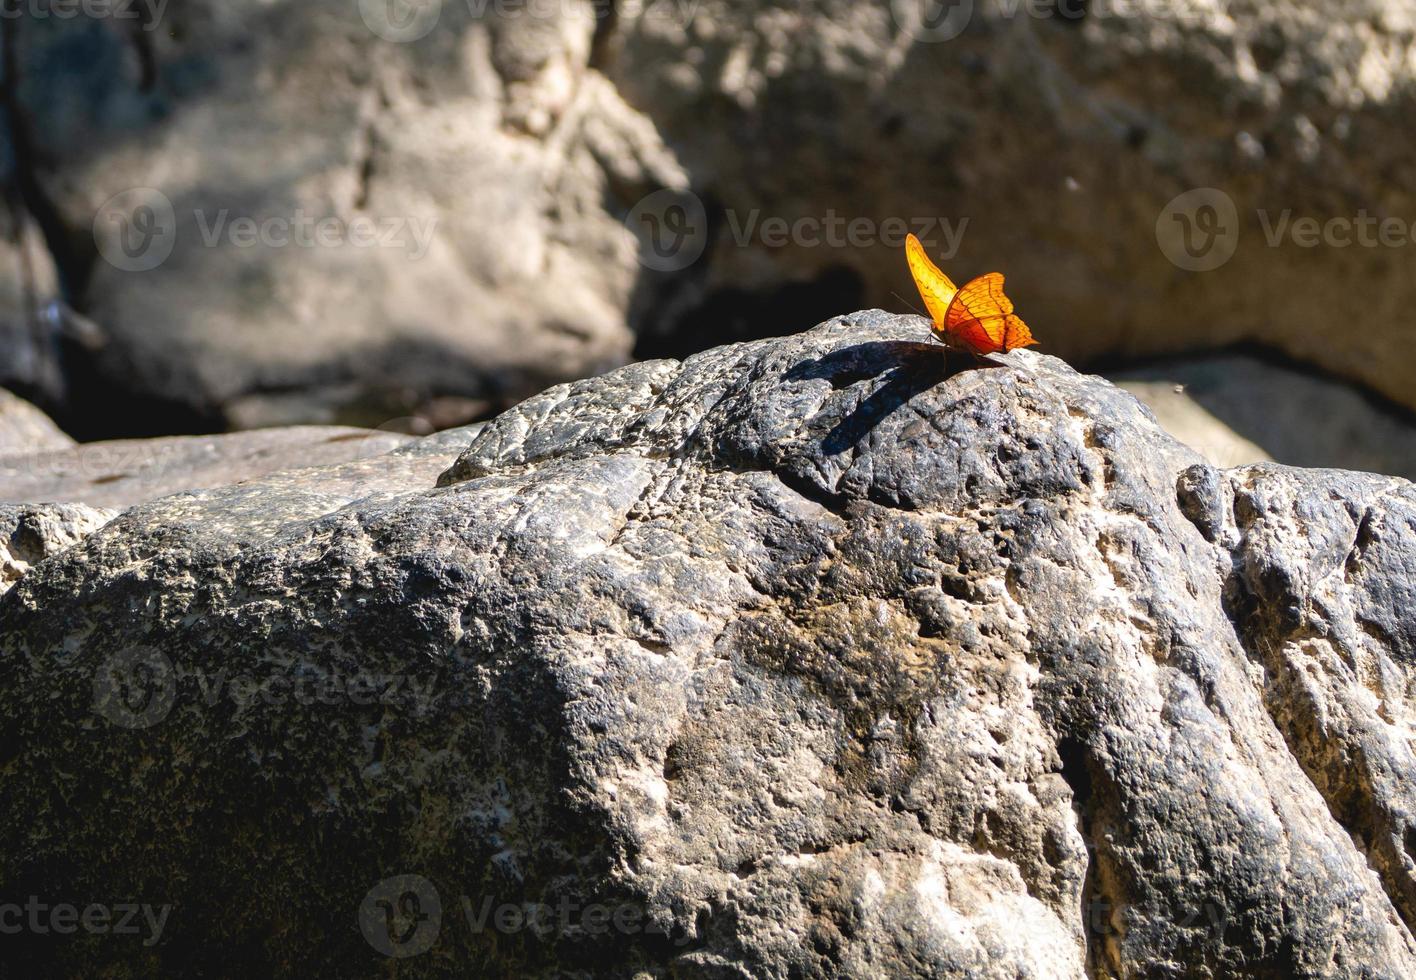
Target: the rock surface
pixel 30 334
pixel 1052 137
pixel 193 162
pixel 1237 409
pixel 25 429
pixel 531 142
pixel 1187 420
pixel 30 533
pixel 126 472
pixel 821 656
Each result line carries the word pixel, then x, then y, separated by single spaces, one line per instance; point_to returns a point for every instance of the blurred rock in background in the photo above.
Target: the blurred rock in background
pixel 1291 416
pixel 1061 139
pixel 278 215
pixel 1187 420
pixel 30 356
pixel 25 429
pixel 564 186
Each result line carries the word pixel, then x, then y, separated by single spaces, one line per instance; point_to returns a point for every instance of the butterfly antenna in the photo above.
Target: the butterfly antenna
pixel 909 304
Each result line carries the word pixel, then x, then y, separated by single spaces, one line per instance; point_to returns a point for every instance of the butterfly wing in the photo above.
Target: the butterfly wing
pixel 981 317
pixel 937 289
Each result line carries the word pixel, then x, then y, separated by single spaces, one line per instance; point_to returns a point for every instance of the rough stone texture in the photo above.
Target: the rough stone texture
pixel 25 429
pixel 1060 140
pixel 1275 412
pixel 126 472
pixel 492 134
pixel 529 136
pixel 29 533
pixel 816 657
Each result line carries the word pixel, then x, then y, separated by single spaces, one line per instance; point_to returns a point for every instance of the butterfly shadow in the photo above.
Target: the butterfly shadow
pixel 908 367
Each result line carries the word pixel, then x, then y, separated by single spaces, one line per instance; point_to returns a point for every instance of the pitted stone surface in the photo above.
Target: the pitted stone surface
pixel 821 656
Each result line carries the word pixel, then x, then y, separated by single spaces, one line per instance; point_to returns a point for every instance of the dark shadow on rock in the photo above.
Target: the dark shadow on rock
pixel 908 368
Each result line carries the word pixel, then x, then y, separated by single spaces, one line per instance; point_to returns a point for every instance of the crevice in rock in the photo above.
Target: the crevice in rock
pixel 1360 543
pixel 140 34
pixel 32 374
pixel 601 43
pixel 1076 774
pixel 1335 762
pixel 79 397
pixel 364 169
pixel 73 264
pixel 367 144
pixel 836 504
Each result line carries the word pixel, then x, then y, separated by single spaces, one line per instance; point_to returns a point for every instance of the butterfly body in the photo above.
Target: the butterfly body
pixel 978 317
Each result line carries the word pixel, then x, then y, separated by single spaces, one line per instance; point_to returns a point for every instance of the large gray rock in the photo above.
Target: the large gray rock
pixel 1052 137
pixel 528 138
pixel 278 215
pixel 822 656
pixel 53 498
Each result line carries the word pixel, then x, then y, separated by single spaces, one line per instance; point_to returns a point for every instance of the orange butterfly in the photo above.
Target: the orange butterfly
pixel 979 317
